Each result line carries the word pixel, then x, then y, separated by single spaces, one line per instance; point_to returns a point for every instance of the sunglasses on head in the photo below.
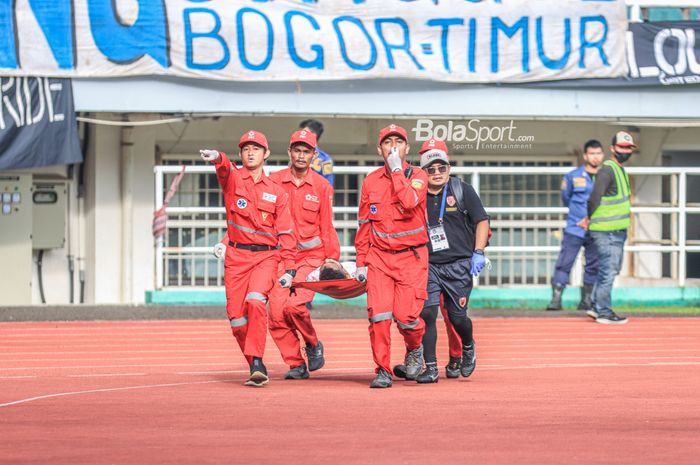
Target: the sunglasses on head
pixel 442 169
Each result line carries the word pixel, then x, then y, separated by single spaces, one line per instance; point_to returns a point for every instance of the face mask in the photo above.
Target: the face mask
pixel 622 157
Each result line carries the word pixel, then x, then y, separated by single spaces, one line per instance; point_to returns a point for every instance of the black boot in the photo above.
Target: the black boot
pixel 555 304
pixel 452 368
pixel 586 297
pixel 258 374
pixel 429 375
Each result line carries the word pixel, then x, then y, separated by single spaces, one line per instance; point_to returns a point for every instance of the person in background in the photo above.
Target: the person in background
pixel 576 187
pixel 608 220
pixel 323 163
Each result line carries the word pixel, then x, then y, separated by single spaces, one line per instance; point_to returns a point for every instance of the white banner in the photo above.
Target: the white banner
pixel 288 40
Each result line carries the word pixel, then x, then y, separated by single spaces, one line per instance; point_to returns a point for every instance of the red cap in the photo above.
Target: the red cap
pixel 255 137
pixel 433 144
pixel 392 130
pixel 305 137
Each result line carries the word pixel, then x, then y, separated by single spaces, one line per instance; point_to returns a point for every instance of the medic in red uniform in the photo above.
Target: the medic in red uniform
pixel 260 236
pixel 310 202
pixel 392 254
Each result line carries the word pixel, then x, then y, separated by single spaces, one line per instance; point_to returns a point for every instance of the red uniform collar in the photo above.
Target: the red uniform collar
pixel 288 177
pixel 245 174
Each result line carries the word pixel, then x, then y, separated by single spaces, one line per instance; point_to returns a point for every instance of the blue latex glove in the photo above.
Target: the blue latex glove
pixel 479 261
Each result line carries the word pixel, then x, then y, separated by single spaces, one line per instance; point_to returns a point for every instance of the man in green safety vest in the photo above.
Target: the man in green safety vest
pixel 608 220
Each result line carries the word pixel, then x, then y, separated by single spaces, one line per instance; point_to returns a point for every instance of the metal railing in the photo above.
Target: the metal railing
pixel 677 207
pixel 637 7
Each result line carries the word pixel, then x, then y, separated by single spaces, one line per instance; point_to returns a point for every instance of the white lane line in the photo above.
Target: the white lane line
pixel 116 359
pixel 146 365
pixel 213 372
pixel 592 365
pixel 100 375
pixel 125 388
pixel 17 377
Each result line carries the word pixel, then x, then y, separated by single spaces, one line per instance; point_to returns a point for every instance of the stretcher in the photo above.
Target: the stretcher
pixel 337 288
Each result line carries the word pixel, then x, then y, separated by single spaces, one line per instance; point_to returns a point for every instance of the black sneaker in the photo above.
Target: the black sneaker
pixel 382 380
pixel 429 375
pixel 299 372
pixel 315 356
pixel 468 360
pixel 414 362
pixel 400 371
pixel 258 374
pixel 452 368
pixel 611 319
pixel 592 313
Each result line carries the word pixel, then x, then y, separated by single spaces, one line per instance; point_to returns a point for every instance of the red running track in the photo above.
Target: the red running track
pixel 545 391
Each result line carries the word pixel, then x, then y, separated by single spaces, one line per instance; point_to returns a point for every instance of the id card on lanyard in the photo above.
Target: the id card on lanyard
pixel 438 238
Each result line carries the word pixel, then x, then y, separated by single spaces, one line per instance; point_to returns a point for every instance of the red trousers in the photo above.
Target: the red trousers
pixel 454 342
pixel 289 318
pixel 248 277
pixel 396 289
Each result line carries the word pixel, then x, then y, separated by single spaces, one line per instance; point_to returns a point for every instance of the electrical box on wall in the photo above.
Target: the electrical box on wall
pixel 16 239
pixel 49 214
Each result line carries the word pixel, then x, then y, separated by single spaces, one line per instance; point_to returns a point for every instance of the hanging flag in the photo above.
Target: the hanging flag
pixel 160 217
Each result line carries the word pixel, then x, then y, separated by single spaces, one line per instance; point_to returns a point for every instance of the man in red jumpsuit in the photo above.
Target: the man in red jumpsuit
pixel 392 254
pixel 310 202
pixel 260 234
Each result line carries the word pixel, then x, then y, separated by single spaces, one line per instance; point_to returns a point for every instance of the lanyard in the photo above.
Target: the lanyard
pixel 442 205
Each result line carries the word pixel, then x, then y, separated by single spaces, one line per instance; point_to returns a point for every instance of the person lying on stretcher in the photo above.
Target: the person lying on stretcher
pixel 333 269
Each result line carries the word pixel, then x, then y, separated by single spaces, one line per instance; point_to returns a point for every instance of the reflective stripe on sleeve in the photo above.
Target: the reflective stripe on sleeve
pixel 310 244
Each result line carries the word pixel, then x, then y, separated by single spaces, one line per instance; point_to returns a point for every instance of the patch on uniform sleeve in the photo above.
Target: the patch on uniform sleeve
pixel 269 197
pixel 564 184
pixel 417 184
pixel 373 209
pixel 241 203
pixel 579 182
pixel 328 167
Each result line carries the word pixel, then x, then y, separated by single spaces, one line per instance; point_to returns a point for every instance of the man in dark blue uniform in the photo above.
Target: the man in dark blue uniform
pixel 323 163
pixel 576 188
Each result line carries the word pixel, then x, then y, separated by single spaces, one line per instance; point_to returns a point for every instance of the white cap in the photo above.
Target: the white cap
pixel 432 156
